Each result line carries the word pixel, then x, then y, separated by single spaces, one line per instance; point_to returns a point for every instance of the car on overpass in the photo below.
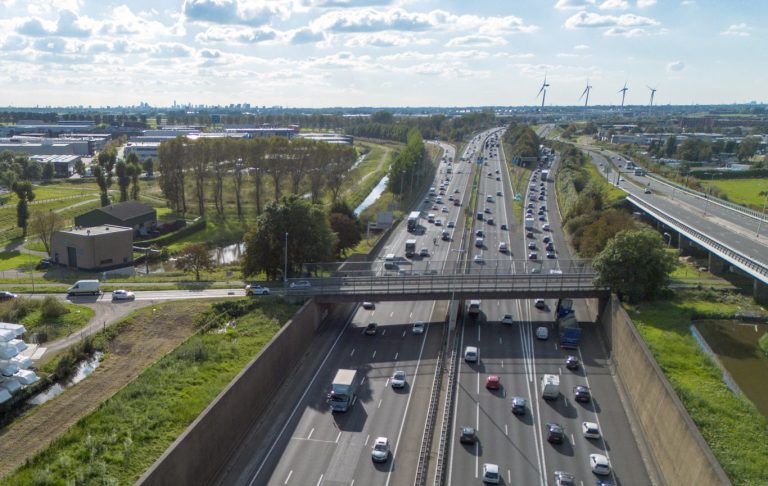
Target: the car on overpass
pixel 299 285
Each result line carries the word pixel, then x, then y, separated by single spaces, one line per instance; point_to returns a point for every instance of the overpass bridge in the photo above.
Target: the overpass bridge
pixel 420 280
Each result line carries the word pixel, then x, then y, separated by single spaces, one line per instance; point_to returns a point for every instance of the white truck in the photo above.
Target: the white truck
pixel 85 287
pixel 550 387
pixel 343 390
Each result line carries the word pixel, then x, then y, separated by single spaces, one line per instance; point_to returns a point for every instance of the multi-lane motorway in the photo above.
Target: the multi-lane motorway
pixel 309 445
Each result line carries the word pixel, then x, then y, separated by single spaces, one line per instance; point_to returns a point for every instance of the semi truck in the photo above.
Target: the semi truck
pixel 343 390
pixel 413 221
pixel 410 248
pixel 566 324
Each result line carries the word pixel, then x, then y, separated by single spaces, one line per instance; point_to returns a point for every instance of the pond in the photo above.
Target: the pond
pixel 373 196
pixel 735 344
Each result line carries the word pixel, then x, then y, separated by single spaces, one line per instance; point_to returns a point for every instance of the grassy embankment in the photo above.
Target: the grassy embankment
pixel 735 431
pixel 127 433
pixel 50 316
pixel 743 191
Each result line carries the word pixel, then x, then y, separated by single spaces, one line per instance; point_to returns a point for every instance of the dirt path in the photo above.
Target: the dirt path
pixel 152 335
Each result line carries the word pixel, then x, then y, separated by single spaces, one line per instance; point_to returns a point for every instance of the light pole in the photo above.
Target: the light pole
pixel 668 237
pixel 285 262
pixel 762 216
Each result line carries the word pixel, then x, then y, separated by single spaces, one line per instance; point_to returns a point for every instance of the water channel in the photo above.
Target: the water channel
pixel 84 368
pixel 373 196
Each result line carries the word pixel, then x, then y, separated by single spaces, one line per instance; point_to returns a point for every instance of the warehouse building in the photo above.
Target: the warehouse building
pixel 131 214
pixel 99 248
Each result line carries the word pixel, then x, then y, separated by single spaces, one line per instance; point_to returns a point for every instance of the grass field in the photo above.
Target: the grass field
pixel 77 317
pixel 726 421
pixel 125 435
pixel 10 260
pixel 743 191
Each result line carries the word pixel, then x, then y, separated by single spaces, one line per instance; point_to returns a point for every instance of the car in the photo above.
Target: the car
pixel 563 478
pixel 518 405
pixel 542 208
pixel 529 211
pixel 450 198
pixel 445 209
pixel 555 433
pixel 424 252
pixel 468 435
pixel 491 473
pixel 451 224
pixel 471 354
pixel 44 263
pixel 434 207
pixel 498 178
pixel 621 179
pixel 535 269
pixel 531 206
pixel 546 227
pixel 507 319
pixel 550 246
pixel 380 450
pixel 489 198
pixel 599 464
pixel 456 191
pixel 370 329
pixel 541 198
pixel 542 184
pixel 532 246
pixel 529 234
pixel 533 255
pixel 542 332
pixel 572 362
pixel 426 201
pixel 646 191
pixel 368 305
pixel 497 171
pixel 456 203
pixel 581 393
pixel 487 210
pixel 398 379
pixel 418 327
pixel 493 382
pixel 479 259
pixel 539 304
pixel 480 234
pixel 301 284
pixel 503 248
pixel 5 295
pixel 503 227
pixel 551 254
pixel 542 218
pixel 255 290
pixel 590 430
pixel 122 295
pixel 499 193
pixel 546 239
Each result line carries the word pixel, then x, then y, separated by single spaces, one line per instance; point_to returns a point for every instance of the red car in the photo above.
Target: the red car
pixel 493 382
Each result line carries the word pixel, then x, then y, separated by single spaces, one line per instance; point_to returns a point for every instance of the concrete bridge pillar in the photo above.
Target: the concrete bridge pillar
pixel 760 292
pixel 717 265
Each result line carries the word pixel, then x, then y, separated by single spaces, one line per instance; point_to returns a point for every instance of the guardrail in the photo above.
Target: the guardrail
pixel 445 428
pixel 752 267
pixel 429 426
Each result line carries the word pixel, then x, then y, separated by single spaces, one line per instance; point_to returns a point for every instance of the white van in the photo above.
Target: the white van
pixel 471 354
pixel 389 261
pixel 85 287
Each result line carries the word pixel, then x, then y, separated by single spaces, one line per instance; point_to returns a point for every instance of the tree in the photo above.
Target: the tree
pixel 670 148
pixel 635 264
pixel 123 179
pixel 48 171
pixel 80 167
pixel 748 147
pixel 44 224
pixel 23 190
pixel 195 257
pixel 347 232
pixel 103 172
pixel 303 221
pixel 149 167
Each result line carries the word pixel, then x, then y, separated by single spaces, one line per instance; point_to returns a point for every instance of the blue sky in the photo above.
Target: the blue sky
pixel 317 53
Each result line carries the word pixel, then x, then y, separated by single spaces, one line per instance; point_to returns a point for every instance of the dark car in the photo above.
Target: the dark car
pixel 5 295
pixel 503 227
pixel 532 246
pixel 518 405
pixel 529 234
pixel 468 435
pixel 581 393
pixel 563 478
pixel 44 263
pixel 370 329
pixel 541 198
pixel 547 239
pixel 572 363
pixel 551 254
pixel 555 433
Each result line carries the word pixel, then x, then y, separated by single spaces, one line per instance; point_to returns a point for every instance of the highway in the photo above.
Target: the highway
pixel 314 446
pixel 517 444
pixel 727 226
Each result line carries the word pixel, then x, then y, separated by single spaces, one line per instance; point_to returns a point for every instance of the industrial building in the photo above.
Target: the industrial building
pixel 98 248
pixel 130 214
pixel 63 165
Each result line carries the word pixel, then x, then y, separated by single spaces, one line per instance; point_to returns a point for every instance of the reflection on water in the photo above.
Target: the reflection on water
pixel 84 368
pixel 735 344
pixel 222 256
pixel 373 196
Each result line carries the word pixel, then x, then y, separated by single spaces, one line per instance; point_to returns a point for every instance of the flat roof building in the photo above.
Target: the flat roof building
pixel 130 214
pixel 97 248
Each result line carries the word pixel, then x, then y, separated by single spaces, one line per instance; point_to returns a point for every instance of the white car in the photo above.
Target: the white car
pixel 418 327
pixel 398 379
pixel 507 319
pixel 542 333
pixel 599 464
pixel 122 295
pixel 445 209
pixel 491 473
pixel 256 290
pixel 479 259
pixel 590 430
pixel 451 224
pixel 380 451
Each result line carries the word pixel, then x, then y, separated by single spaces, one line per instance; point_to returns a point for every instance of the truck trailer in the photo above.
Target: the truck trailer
pixel 566 324
pixel 413 221
pixel 410 248
pixel 529 221
pixel 343 390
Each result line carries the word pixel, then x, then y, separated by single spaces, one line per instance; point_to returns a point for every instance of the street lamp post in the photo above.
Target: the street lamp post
pixel 285 262
pixel 668 236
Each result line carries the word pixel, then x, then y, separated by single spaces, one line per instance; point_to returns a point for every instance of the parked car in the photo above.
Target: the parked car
pixel 43 264
pixel 256 290
pixel 301 284
pixel 122 295
pixel 370 329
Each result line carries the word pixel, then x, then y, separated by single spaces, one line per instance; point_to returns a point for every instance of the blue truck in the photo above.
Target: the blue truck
pixel 566 324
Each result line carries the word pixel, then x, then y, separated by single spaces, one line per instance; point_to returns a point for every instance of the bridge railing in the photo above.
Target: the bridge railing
pixel 747 264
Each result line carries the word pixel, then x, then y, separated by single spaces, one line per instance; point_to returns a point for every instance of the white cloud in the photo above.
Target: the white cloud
pixel 245 12
pixel 592 20
pixel 645 3
pixel 573 4
pixel 476 41
pixel 383 39
pixel 738 30
pixel 243 35
pixel 581 47
pixel 69 25
pixel 675 66
pixel 614 5
pixel 305 35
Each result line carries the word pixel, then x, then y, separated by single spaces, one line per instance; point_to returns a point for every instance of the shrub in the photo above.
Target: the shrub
pixel 51 308
pixel 17 309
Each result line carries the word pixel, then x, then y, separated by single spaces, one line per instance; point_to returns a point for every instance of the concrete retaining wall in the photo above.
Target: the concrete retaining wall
pixel 198 454
pixel 678 449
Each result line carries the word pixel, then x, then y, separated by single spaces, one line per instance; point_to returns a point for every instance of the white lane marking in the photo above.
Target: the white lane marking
pixel 410 316
pixel 509 476
pixel 379 405
pixel 363 380
pixel 403 333
pixel 478 331
pixel 478 385
pixel 396 355
pixel 477 459
pixel 323 441
pixel 559 370
pixel 352 483
pixel 298 403
pixel 573 441
pixel 386 383
pixel 391 313
pixel 506 429
pixel 367 438
pixel 374 355
pixel 500 342
pixel 290 473
pixel 502 363
pixel 338 437
pixel 352 353
pixel 310 433
pixel 319 480
pixel 383 332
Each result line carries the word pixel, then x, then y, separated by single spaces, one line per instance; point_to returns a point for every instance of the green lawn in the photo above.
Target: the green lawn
pixel 743 191
pixel 54 328
pixel 10 260
pixel 727 422
pixel 117 442
pixel 612 193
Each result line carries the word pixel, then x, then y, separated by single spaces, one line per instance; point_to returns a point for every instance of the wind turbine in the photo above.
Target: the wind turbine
pixel 543 90
pixel 653 93
pixel 623 92
pixel 586 92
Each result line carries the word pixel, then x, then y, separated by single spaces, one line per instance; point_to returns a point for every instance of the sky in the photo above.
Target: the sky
pixel 381 53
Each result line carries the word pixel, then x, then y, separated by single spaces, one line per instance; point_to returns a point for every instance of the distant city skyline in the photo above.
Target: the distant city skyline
pixel 379 53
